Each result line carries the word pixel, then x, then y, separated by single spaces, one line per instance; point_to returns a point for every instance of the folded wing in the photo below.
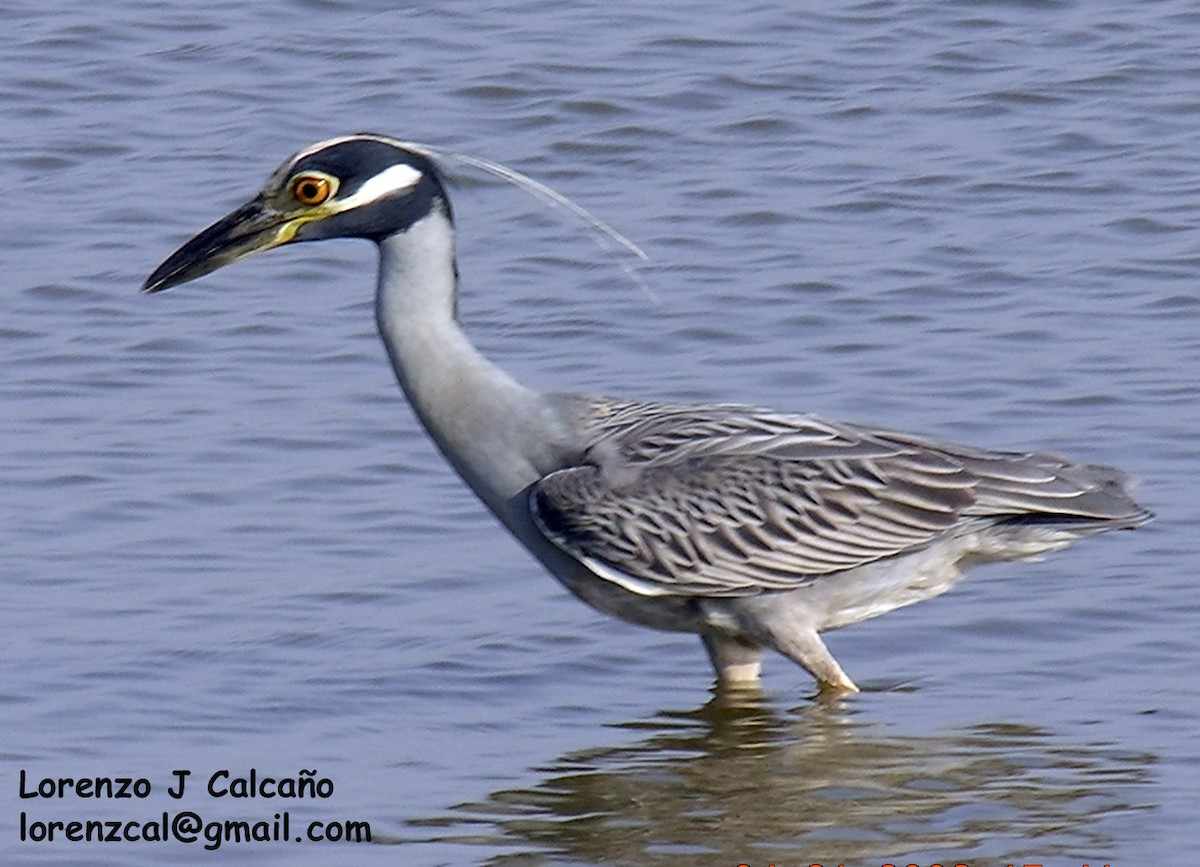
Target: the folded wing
pixel 731 501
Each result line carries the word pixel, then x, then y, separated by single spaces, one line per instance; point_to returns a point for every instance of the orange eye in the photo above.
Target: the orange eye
pixel 311 189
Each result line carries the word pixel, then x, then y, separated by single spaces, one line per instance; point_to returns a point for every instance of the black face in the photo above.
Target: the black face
pixel 362 186
pixel 356 160
pixel 371 174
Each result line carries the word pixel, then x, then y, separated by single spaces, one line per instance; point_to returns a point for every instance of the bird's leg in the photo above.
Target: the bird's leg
pixel 737 663
pixel 740 628
pixel 806 647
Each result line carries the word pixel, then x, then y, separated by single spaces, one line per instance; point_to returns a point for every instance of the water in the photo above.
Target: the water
pixel 227 545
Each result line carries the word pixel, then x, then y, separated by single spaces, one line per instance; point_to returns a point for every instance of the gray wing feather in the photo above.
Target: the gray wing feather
pixel 730 501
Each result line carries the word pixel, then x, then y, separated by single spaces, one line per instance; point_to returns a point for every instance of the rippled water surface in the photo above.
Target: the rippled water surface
pixel 228 545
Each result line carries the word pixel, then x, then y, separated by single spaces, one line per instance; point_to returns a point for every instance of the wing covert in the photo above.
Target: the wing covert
pixel 732 504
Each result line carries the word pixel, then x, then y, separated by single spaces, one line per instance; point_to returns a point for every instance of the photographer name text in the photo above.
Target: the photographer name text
pixel 220 784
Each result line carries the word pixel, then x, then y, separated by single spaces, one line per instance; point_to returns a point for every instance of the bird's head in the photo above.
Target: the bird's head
pixel 362 186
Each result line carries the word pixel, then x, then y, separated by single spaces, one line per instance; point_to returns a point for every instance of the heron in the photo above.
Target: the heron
pixel 753 529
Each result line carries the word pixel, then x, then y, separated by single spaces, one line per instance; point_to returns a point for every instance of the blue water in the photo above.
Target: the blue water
pixel 226 543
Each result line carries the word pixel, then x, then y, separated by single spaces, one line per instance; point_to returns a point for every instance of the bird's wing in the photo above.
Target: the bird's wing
pixel 730 501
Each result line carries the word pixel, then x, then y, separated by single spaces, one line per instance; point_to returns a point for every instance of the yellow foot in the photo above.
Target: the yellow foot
pixel 840 686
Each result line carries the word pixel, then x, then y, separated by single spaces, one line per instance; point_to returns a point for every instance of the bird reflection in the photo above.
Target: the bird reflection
pixel 736 782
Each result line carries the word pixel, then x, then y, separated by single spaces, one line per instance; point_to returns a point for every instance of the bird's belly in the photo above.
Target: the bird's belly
pixel 877 588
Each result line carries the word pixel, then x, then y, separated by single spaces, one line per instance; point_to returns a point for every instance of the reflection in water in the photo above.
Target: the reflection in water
pixel 733 784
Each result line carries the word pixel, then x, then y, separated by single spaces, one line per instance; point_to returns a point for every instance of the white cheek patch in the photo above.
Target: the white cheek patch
pixel 391 180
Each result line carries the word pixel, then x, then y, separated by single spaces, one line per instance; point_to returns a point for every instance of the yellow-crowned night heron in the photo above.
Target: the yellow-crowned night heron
pixel 753 529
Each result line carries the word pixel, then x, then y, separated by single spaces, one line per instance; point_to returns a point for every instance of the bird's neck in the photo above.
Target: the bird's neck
pixel 493 430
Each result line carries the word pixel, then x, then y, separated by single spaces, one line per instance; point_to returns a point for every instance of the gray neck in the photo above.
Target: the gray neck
pixel 496 433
